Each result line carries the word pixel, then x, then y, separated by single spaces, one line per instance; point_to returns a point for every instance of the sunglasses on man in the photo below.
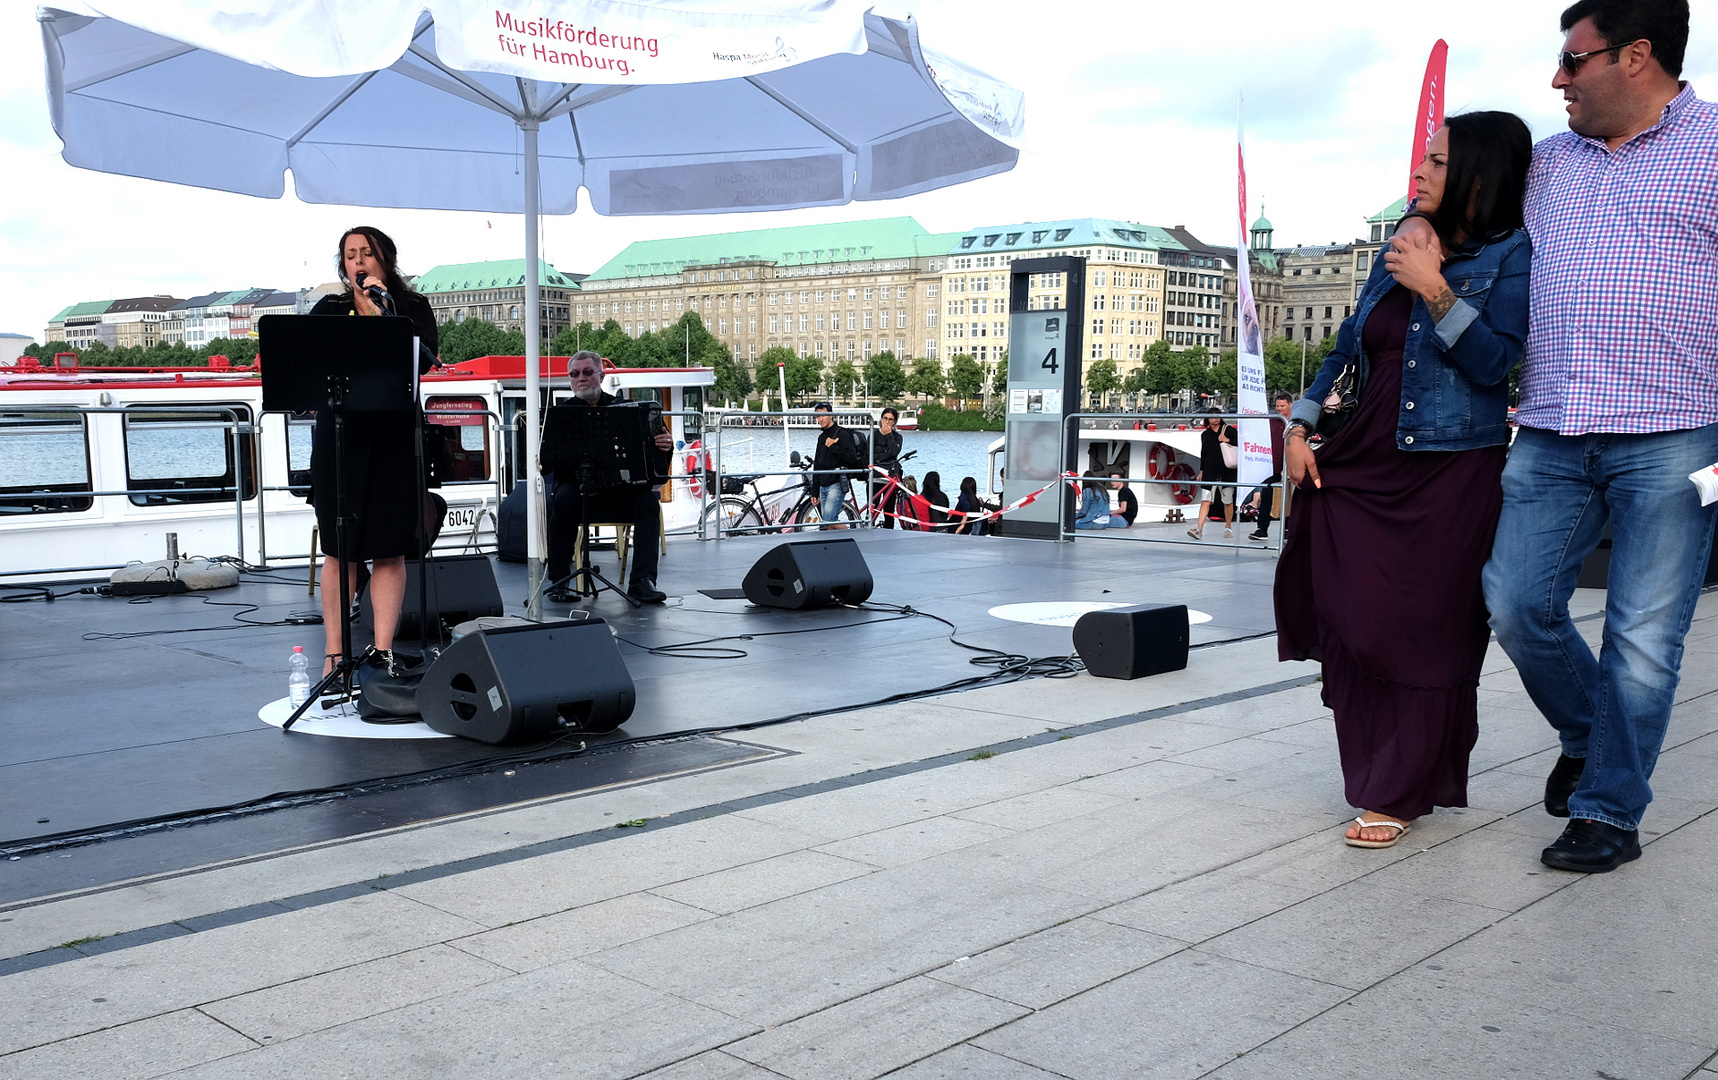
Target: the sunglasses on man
pixel 1573 62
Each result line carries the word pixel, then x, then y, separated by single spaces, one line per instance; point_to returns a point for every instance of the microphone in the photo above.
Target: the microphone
pixel 378 295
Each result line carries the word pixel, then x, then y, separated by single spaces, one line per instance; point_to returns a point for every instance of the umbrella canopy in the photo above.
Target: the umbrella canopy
pixel 662 108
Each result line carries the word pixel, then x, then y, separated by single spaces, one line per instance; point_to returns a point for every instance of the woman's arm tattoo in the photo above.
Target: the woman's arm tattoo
pixel 1441 303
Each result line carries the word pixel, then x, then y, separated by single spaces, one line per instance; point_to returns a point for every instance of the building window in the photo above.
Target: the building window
pixel 930 291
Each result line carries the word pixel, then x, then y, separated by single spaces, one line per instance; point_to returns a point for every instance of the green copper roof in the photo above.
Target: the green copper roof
pixel 1263 224
pixel 1031 235
pixel 497 274
pixel 87 308
pixel 792 245
pixel 1392 213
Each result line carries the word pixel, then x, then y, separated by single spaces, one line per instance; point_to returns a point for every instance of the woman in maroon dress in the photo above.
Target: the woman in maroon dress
pixel 1380 571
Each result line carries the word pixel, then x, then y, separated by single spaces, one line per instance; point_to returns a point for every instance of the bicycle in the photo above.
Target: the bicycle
pixel 776 510
pixel 893 502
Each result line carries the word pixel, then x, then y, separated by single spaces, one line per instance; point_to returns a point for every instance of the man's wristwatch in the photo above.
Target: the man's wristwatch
pixel 1304 428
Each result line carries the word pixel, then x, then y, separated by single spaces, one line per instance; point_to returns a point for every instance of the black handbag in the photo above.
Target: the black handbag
pixel 389 697
pixel 1343 399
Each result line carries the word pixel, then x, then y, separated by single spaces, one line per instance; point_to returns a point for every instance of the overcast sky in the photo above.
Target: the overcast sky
pixel 1130 113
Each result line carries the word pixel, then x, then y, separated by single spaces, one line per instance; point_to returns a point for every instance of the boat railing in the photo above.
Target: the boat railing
pixel 721 420
pixel 1165 423
pixel 692 479
pixel 237 423
pixel 469 544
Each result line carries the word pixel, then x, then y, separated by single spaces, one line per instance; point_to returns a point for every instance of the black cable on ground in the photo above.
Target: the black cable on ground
pixel 238 616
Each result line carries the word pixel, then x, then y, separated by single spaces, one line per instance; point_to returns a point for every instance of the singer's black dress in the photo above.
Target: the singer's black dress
pixel 381 487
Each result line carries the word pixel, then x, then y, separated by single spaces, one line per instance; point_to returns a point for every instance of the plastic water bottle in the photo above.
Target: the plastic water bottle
pixel 298 677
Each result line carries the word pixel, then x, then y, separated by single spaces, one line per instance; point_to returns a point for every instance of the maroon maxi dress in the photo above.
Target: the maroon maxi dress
pixel 1380 580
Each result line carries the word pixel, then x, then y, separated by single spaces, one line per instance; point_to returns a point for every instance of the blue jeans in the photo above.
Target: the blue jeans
pixel 1116 521
pixel 829 500
pixel 1558 492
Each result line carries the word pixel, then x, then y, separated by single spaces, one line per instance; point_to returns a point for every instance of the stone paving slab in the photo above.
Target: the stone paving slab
pixel 1161 895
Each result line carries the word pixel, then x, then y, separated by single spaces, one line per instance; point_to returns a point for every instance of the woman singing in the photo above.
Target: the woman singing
pixel 382 487
pixel 1393 520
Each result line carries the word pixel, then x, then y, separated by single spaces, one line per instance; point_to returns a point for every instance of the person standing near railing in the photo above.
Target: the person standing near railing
pixel 886 455
pixel 837 456
pixel 1215 470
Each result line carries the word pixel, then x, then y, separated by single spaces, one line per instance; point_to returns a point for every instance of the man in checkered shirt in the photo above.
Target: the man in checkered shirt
pixel 1619 403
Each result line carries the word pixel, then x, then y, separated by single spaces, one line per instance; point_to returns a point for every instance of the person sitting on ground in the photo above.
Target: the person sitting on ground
pixel 932 492
pixel 1094 503
pixel 968 504
pixel 1129 501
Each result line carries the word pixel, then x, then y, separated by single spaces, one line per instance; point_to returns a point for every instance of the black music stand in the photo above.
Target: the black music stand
pixel 343 365
pixel 603 448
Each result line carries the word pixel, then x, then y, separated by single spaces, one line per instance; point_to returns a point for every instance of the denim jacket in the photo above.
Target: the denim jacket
pixel 1455 374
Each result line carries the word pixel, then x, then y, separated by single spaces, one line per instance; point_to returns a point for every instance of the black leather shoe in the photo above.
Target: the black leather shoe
pixel 1565 777
pixel 1592 847
pixel 645 592
pixel 562 596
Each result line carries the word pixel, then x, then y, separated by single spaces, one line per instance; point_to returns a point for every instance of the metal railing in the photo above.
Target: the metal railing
pixel 1191 423
pixel 721 422
pixel 236 422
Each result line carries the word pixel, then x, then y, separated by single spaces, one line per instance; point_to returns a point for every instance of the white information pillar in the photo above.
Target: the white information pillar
pixel 1045 367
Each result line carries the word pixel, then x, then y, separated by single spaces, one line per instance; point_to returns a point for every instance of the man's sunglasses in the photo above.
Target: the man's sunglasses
pixel 1572 62
pixel 578 373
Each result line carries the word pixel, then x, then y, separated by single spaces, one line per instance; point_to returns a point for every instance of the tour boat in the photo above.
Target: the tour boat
pixel 100 467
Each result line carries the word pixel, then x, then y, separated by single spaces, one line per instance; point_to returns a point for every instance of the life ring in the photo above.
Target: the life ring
pixel 695 475
pixel 1162 457
pixel 1183 492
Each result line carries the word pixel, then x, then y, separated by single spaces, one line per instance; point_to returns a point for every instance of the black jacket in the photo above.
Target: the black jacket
pixel 886 452
pixel 830 464
pixel 1211 467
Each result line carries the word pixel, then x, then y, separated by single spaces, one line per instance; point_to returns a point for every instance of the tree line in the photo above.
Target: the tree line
pixel 240 351
pixel 884 376
pixel 1167 372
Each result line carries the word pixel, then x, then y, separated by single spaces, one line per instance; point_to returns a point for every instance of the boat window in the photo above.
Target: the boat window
pixel 459 430
pixel 189 455
pixel 299 431
pixel 692 401
pixel 44 463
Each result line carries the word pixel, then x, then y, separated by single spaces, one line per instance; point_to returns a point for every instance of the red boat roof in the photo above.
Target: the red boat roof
pixel 498 368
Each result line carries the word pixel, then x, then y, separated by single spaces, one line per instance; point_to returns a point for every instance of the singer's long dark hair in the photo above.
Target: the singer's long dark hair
pixel 382 246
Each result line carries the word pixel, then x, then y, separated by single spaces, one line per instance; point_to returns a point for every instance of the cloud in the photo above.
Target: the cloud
pixel 1130 114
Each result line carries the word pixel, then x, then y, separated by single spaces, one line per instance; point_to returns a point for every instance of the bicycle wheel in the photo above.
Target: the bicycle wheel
pixel 903 509
pixel 733 514
pixel 806 515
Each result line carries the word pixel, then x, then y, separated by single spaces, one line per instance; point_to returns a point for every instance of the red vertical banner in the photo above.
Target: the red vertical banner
pixel 1431 115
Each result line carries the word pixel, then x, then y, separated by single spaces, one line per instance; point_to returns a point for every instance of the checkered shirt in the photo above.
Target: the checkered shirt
pixel 1623 324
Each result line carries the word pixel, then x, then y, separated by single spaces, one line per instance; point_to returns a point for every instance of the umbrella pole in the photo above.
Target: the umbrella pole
pixel 534 516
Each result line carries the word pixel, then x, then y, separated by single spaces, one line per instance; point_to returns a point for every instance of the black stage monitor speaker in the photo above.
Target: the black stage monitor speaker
pixel 1133 642
pixel 809 574
pixel 461 588
pixel 517 684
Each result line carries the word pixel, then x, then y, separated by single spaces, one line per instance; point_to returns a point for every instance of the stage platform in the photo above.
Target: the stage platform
pixel 122 756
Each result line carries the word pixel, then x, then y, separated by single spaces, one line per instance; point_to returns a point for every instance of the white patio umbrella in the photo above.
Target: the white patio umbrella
pixel 671 107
